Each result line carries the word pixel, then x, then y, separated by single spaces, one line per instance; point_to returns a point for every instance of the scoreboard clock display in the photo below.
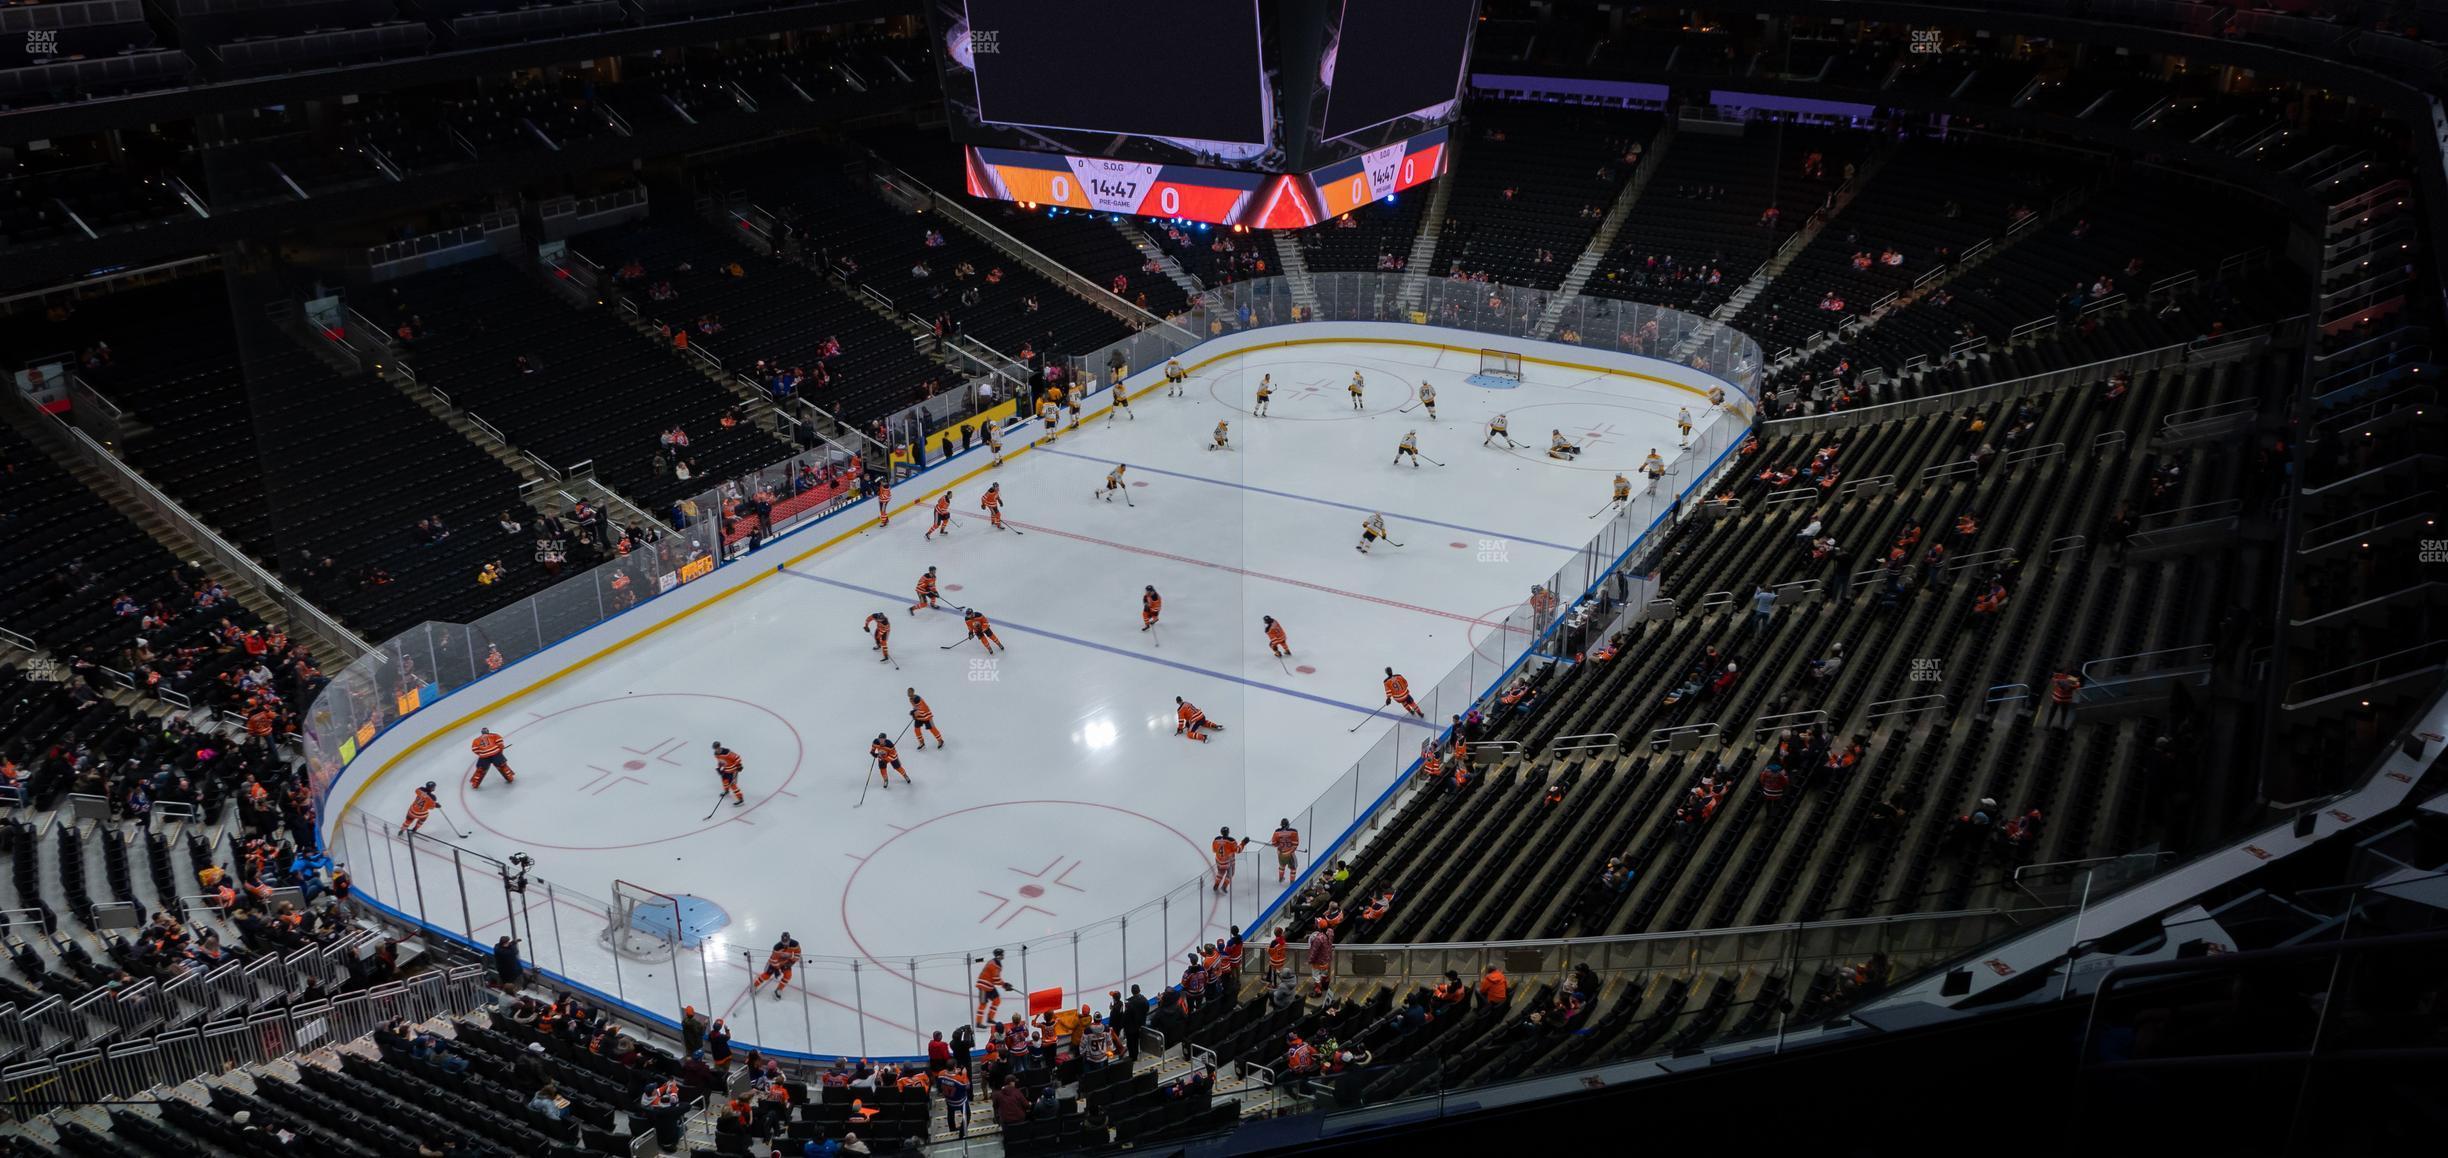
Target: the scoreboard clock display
pixel 1104 185
pixel 1197 193
pixel 1346 185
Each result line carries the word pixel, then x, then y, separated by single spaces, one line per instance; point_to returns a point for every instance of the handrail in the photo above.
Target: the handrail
pixel 2223 508
pixel 2305 692
pixel 1904 706
pixel 2202 654
pixel 995 235
pixel 1670 935
pixel 2363 521
pixel 305 616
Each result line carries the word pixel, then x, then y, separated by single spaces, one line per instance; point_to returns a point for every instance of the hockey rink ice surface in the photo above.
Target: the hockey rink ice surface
pixel 1063 799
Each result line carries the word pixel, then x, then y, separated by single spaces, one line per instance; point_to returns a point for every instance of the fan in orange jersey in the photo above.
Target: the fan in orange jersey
pixel 990 990
pixel 1228 854
pixel 1398 691
pixel 727 766
pixel 420 808
pixel 943 516
pixel 1275 636
pixel 980 630
pixel 922 720
pixel 778 965
pixel 887 759
pixel 1192 722
pixel 488 748
pixel 926 592
pixel 1151 605
pixel 883 502
pixel 1430 766
pixel 992 504
pixel 879 625
pixel 1287 847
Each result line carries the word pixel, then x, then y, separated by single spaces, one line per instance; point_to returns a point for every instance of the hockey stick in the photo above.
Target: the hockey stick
pixel 1392 541
pixel 1602 510
pixel 1432 462
pixel 1405 409
pixel 863 786
pixel 1287 664
pixel 1126 499
pixel 1155 635
pixel 454 825
pixel 1370 716
pixel 719 797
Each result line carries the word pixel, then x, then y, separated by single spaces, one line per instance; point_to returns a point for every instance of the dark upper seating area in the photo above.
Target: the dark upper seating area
pixel 778 314
pixel 352 483
pixel 1701 226
pixel 1910 820
pixel 2074 269
pixel 1090 244
pixel 933 270
pixel 1930 202
pixel 1377 237
pixel 1532 184
pixel 91 48
pixel 590 389
pixel 88 585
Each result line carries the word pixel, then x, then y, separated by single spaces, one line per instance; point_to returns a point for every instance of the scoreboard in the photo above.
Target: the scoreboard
pixel 1267 114
pixel 1197 193
pixel 1346 185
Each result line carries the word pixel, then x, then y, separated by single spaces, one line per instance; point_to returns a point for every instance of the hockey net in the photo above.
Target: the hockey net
pixel 1500 364
pixel 643 925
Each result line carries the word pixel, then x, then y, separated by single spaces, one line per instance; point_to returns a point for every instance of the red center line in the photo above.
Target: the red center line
pixel 1243 571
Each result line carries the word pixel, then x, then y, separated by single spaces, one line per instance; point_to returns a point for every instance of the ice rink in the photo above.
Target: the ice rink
pixel 1062 801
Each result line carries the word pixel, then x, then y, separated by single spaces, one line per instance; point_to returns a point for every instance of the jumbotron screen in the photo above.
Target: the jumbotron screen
pixel 1391 59
pixel 1189 74
pixel 1195 193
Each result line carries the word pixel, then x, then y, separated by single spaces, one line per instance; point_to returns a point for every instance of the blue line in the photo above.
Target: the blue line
pixel 1397 717
pixel 1313 499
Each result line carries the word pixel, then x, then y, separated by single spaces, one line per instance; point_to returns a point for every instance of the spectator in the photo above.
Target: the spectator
pixel 506 968
pixel 1011 1103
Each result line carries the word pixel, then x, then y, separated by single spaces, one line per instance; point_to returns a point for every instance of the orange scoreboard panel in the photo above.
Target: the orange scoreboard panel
pixel 1349 184
pixel 1102 185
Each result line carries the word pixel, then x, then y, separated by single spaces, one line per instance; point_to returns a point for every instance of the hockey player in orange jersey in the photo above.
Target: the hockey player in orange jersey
pixel 727 766
pixel 922 720
pixel 779 961
pixel 927 596
pixel 488 749
pixel 992 504
pixel 1275 636
pixel 1191 722
pixel 990 990
pixel 879 626
pixel 1227 850
pixel 980 630
pixel 1151 606
pixel 1398 691
pixel 420 808
pixel 943 516
pixel 887 759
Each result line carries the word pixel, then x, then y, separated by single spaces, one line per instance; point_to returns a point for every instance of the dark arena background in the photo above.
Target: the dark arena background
pixel 1994 704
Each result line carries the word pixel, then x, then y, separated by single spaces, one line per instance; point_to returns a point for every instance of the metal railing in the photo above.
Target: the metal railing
pixel 304 617
pixel 130 1067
